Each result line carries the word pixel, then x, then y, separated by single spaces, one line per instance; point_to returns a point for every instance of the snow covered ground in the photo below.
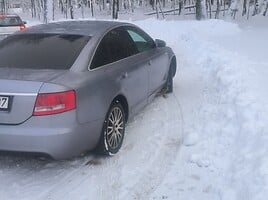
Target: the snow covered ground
pixel 207 140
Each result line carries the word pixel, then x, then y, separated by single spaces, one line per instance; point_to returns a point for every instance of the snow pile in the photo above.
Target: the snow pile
pixel 226 140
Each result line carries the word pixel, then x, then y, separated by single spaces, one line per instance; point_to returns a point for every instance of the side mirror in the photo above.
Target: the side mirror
pixel 24 22
pixel 160 43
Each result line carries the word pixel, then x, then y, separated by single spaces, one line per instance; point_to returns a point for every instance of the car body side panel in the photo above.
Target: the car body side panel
pixel 158 69
pixel 96 89
pixel 93 95
pixel 131 75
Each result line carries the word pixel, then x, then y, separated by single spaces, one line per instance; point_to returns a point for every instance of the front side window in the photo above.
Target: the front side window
pixel 41 51
pixel 142 41
pixel 114 46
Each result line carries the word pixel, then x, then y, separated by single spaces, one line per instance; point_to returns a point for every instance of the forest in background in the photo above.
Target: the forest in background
pixel 49 10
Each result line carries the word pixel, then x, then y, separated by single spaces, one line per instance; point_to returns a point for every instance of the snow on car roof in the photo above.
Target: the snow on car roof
pixel 9 15
pixel 84 27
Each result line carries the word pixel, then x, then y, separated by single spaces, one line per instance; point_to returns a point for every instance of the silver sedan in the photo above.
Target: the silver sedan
pixel 10 24
pixel 70 87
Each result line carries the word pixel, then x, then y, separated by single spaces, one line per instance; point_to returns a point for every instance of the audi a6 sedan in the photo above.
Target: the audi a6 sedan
pixel 70 87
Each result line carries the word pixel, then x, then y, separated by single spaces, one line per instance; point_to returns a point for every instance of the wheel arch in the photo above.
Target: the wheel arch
pixel 123 100
pixel 173 65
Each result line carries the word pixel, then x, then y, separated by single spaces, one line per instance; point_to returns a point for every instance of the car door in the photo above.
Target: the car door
pixel 126 73
pixel 156 58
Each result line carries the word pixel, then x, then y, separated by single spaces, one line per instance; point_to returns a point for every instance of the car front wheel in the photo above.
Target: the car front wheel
pixel 113 130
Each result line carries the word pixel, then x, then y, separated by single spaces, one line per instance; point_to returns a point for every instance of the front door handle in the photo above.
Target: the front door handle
pixel 150 62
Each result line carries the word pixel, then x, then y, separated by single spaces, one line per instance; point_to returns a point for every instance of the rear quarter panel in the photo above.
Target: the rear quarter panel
pixel 93 93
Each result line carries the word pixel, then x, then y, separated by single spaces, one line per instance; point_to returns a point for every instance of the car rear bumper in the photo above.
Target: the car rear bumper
pixel 58 136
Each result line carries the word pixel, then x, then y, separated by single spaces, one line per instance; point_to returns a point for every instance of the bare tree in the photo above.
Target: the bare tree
pixel 3 6
pixel 200 9
pixel 209 8
pixel 115 9
pixel 217 14
pixel 70 5
pixel 266 9
pixel 180 5
pixel 91 7
pixel 256 8
pixel 33 8
pixel 244 7
pixel 45 10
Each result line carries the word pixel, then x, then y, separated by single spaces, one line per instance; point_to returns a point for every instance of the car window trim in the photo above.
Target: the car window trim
pixel 116 61
pixel 140 32
pixel 98 43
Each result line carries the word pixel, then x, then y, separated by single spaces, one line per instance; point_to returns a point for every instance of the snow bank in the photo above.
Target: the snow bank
pixel 226 145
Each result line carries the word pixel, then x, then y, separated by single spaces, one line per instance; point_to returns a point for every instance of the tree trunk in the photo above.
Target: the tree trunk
pixel 200 9
pixel 217 10
pixel 3 8
pixel 92 9
pixel 156 8
pixel 71 9
pixel 103 4
pixel 266 9
pixel 53 10
pixel 61 5
pixel 132 5
pixel 115 9
pixel 256 8
pixel 45 11
pixel 180 6
pixel 244 8
pixel 33 8
pixel 209 9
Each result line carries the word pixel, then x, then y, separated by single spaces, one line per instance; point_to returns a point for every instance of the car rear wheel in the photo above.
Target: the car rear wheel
pixel 113 130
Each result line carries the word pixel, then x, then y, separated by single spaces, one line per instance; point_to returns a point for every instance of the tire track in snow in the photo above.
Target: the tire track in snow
pixel 84 183
pixel 164 157
pixel 48 194
pixel 26 176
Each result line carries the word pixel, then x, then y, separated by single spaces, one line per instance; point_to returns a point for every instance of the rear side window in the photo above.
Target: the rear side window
pixel 41 51
pixel 10 21
pixel 114 46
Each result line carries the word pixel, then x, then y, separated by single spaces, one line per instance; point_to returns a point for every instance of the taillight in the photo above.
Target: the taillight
pixel 22 27
pixel 54 103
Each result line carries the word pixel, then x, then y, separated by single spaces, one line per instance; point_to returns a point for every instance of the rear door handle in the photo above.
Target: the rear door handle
pixel 124 75
pixel 150 62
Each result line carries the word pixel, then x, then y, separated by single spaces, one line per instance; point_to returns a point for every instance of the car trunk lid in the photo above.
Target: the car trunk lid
pixel 5 30
pixel 18 92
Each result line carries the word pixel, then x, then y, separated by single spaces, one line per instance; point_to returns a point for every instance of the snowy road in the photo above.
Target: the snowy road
pixel 206 141
pixel 152 141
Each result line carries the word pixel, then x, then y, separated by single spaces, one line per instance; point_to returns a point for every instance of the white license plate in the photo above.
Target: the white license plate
pixel 4 102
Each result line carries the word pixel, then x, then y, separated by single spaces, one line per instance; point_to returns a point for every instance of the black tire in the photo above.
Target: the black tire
pixel 113 130
pixel 168 88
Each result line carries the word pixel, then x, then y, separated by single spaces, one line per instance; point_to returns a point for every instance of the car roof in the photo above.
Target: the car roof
pixel 82 27
pixel 9 15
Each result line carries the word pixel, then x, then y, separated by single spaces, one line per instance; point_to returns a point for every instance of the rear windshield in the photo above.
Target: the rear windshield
pixel 41 51
pixel 10 21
